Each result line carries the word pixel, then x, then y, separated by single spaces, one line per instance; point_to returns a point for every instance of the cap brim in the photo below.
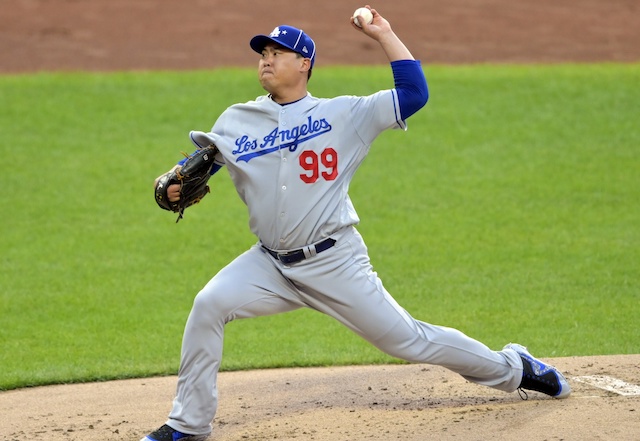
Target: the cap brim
pixel 258 43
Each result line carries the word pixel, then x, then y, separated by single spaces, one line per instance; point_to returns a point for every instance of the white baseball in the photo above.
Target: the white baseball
pixel 365 13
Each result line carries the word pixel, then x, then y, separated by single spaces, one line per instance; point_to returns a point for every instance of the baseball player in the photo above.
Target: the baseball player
pixel 291 157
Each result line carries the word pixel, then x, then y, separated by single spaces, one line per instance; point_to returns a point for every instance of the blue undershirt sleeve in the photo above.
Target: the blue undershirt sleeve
pixel 411 86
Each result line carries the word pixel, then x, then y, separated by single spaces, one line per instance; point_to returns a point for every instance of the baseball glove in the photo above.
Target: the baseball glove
pixel 192 178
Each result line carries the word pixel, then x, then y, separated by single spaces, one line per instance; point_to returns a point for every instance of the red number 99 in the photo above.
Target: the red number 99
pixel 310 162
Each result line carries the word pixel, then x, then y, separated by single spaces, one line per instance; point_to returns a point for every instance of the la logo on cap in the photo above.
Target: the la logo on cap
pixel 276 33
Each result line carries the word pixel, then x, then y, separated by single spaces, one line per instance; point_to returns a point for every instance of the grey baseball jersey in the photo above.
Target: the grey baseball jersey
pixel 292 166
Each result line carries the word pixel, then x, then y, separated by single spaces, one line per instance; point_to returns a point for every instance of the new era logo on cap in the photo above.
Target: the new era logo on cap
pixel 289 37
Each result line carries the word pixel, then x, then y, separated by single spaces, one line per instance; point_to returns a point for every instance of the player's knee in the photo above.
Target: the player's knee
pixel 212 306
pixel 404 347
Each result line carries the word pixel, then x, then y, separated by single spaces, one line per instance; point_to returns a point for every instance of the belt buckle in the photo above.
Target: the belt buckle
pixel 291 257
pixel 285 255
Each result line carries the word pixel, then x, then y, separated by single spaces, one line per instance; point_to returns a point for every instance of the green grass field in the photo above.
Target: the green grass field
pixel 510 210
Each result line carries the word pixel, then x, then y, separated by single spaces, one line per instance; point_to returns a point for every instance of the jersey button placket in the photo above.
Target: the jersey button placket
pixel 283 177
pixel 283 214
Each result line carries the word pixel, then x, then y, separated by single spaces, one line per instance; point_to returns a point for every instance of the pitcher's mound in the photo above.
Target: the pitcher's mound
pixel 391 402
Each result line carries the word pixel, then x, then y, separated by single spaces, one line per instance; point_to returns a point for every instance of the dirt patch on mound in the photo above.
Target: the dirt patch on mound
pixel 396 402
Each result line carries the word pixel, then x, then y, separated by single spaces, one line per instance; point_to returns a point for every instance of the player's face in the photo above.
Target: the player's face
pixel 280 68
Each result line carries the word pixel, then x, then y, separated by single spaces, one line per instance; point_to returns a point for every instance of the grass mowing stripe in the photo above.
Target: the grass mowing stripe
pixel 509 210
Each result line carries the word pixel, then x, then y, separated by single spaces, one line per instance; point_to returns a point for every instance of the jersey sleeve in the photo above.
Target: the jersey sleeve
pixel 202 139
pixel 375 113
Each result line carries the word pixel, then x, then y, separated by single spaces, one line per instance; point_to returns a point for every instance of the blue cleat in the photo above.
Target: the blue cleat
pixel 540 376
pixel 166 433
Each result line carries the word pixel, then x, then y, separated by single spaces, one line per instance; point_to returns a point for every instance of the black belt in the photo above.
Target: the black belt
pixel 297 255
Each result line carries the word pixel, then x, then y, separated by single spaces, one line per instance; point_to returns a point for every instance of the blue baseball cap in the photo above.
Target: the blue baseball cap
pixel 289 37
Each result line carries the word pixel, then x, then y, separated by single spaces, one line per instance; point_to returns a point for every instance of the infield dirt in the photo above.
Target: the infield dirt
pixel 398 402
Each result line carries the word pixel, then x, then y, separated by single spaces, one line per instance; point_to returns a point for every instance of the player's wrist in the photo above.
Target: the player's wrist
pixel 394 47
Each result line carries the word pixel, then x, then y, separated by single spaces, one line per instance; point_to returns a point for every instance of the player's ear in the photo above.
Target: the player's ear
pixel 305 65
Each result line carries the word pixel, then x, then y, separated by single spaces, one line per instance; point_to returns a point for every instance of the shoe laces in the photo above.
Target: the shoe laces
pixel 523 394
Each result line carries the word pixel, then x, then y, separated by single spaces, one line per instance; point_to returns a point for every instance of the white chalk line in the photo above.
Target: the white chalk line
pixel 611 384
